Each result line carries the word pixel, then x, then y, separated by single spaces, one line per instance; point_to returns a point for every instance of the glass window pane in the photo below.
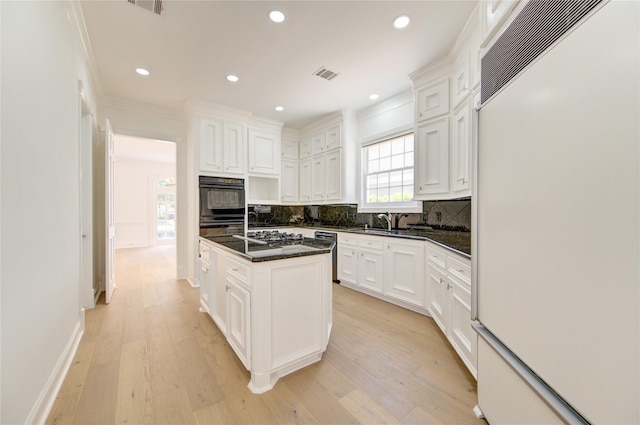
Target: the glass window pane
pixel 372 196
pixel 395 178
pixel 374 166
pixel 385 149
pixel 408 159
pixel 385 164
pixel 383 180
pixel 383 194
pixel 408 143
pixel 397 161
pixel 407 177
pixel 407 193
pixel 373 152
pixel 397 146
pixel 372 181
pixel 395 194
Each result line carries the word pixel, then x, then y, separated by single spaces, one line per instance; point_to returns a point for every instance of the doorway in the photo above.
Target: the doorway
pixel 145 192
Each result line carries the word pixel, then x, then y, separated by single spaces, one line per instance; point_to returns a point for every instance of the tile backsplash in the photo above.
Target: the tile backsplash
pixel 447 215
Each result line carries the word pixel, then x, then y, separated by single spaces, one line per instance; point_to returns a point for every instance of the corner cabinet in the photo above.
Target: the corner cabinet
pixel 404 271
pixel 432 157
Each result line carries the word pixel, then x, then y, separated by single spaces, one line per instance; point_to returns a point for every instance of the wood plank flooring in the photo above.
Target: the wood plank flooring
pixel 150 357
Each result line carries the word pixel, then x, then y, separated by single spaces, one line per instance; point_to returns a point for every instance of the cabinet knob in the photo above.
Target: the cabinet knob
pixel 441 281
pixel 227 288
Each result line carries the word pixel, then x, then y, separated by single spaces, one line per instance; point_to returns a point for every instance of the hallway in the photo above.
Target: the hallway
pixel 150 357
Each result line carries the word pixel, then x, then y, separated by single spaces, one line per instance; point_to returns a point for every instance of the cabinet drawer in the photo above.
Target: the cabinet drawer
pixel 237 270
pixel 204 252
pixel 372 242
pixel 459 268
pixel 347 239
pixel 436 256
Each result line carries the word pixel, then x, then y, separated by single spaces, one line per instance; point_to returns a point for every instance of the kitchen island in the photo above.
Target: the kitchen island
pixel 271 299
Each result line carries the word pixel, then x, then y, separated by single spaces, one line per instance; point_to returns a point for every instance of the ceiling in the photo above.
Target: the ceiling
pixel 191 47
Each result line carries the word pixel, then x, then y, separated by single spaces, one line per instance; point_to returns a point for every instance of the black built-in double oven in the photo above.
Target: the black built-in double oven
pixel 222 206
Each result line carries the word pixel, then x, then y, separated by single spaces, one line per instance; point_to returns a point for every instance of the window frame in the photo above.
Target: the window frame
pixel 413 206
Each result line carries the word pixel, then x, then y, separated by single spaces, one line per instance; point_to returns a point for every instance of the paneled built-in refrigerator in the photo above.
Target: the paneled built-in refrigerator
pixel 556 229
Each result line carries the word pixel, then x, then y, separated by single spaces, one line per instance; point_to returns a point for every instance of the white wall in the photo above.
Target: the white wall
pixel 132 200
pixel 387 117
pixel 40 276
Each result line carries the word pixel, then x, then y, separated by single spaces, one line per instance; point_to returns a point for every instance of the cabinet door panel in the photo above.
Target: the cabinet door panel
pixel 460 333
pixel 238 321
pixel 318 178
pixel 348 264
pixel 404 273
pixel 264 152
pixel 305 180
pixel 437 295
pixel 334 137
pixel 333 173
pixel 461 150
pixel 371 270
pixel 432 157
pixel 433 100
pixel 318 143
pixel 289 181
pixel 210 144
pixel 234 148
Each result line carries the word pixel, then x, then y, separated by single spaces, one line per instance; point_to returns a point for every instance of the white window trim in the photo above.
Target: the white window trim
pixel 396 207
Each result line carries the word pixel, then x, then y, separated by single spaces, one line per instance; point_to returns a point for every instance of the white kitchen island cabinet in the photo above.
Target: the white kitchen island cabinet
pixel 278 312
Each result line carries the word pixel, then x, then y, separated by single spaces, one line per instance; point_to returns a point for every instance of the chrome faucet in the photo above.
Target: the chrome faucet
pixel 386 216
pixel 253 213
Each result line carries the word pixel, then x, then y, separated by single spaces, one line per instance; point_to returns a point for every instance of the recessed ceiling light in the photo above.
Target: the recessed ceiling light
pixel 232 78
pixel 373 96
pixel 401 22
pixel 142 71
pixel 276 16
pixel 279 108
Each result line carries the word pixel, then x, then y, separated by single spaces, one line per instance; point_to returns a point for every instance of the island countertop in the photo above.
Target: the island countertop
pixel 257 252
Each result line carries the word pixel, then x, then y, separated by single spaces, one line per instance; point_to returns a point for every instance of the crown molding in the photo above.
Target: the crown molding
pixel 79 29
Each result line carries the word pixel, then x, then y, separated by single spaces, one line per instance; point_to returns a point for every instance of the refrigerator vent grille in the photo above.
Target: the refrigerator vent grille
pixel 154 6
pixel 537 26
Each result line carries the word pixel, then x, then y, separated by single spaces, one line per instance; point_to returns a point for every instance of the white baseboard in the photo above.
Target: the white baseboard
pixel 43 405
pixel 193 283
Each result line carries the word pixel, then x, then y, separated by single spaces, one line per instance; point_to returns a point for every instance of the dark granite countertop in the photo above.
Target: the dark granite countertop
pixel 456 241
pixel 256 252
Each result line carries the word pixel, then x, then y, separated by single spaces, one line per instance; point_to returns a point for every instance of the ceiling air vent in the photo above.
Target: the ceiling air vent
pixel 535 28
pixel 154 6
pixel 326 74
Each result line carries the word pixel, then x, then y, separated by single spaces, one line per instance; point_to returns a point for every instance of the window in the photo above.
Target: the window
pixel 388 176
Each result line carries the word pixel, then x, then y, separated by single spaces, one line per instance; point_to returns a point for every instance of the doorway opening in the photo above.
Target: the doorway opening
pixel 144 193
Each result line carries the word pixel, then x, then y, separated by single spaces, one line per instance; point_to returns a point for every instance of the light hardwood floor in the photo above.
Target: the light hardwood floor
pixel 150 357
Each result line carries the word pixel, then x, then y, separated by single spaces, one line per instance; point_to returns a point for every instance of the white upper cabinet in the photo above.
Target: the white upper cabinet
pixel 289 149
pixel 493 13
pixel 221 146
pixel 333 176
pixel 234 147
pixel 305 148
pixel 333 137
pixel 318 144
pixel 432 158
pixel 461 151
pixel 317 178
pixel 264 152
pixel 289 179
pixel 460 82
pixel 432 100
pixel 305 176
pixel 210 143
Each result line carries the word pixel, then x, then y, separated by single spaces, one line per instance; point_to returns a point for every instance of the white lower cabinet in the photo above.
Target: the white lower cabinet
pixel 449 284
pixel 239 320
pixel 418 275
pixel 404 271
pixel 276 315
